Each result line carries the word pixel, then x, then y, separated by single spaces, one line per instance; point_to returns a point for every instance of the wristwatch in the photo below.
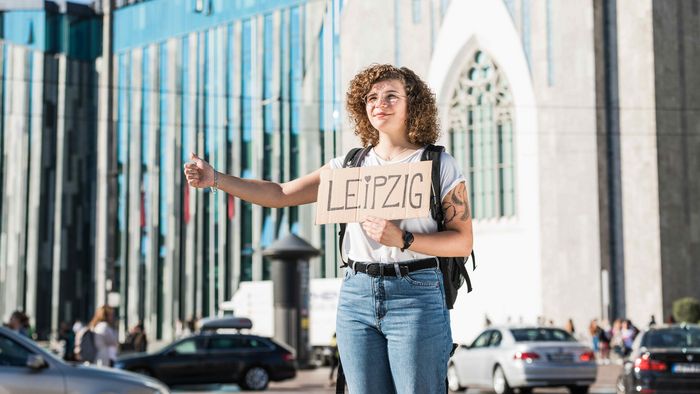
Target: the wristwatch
pixel 407 240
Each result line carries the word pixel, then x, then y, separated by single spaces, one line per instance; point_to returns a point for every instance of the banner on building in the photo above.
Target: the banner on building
pixel 396 191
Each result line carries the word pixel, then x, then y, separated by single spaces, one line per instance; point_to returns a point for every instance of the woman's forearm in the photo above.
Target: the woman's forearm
pixel 266 193
pixel 443 244
pixel 303 190
pixel 270 194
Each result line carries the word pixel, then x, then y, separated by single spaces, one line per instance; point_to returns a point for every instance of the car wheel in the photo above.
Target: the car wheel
pixel 525 390
pixel 578 389
pixel 255 378
pixel 453 379
pixel 500 383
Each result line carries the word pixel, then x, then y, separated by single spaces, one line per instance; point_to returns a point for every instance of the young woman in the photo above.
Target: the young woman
pixel 106 340
pixel 393 326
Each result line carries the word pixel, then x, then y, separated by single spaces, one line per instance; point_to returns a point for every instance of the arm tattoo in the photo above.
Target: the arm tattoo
pixel 456 205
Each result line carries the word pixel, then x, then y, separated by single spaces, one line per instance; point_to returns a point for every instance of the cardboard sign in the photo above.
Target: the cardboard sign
pixel 395 191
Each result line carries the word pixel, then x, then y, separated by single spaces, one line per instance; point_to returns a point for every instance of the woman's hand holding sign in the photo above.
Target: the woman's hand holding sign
pixel 383 231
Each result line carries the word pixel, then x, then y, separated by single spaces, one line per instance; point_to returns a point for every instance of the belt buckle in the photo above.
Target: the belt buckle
pixel 404 270
pixel 373 269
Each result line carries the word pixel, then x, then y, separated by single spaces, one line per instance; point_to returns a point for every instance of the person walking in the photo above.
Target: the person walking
pixel 569 327
pixel 335 359
pixel 105 338
pixel 393 324
pixel 136 341
pixel 67 337
pixel 19 322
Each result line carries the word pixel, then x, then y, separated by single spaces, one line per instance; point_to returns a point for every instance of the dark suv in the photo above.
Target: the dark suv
pixel 210 357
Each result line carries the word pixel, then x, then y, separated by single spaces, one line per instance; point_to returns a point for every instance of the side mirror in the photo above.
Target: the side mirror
pixel 36 362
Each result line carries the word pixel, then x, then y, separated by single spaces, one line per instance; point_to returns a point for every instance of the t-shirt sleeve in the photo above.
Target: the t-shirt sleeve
pixel 337 162
pixel 450 174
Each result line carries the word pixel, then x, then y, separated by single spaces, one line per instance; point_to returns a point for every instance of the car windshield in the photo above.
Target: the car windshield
pixel 541 334
pixel 672 338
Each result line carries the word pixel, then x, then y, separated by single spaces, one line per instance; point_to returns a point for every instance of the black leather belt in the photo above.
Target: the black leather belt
pixel 387 269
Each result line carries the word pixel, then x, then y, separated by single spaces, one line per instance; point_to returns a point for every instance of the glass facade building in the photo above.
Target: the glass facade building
pixel 251 87
pixel 48 105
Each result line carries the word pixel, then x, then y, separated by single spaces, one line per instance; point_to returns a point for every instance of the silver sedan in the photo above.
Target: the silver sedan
pixel 504 358
pixel 26 368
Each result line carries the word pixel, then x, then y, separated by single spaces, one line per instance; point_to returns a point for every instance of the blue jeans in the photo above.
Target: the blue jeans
pixel 394 332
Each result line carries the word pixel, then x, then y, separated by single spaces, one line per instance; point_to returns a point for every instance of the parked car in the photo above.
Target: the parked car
pixel 207 357
pixel 664 359
pixel 26 368
pixel 505 358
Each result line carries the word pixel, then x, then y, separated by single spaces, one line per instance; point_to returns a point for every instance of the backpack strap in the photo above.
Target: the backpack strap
pixel 433 152
pixel 353 159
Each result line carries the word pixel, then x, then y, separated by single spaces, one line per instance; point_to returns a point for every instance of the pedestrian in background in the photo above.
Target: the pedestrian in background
pixel 393 328
pixel 593 330
pixel 629 333
pixel 106 341
pixel 616 343
pixel 136 341
pixel 604 342
pixel 335 357
pixel 569 327
pixel 67 337
pixel 19 322
pixel 652 322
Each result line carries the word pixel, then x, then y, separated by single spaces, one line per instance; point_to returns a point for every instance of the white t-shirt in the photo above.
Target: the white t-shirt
pixel 358 247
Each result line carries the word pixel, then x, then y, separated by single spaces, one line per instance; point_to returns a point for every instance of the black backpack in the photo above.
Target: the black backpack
pixel 85 348
pixel 454 270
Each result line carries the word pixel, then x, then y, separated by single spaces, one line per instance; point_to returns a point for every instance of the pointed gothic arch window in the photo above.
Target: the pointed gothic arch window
pixel 481 136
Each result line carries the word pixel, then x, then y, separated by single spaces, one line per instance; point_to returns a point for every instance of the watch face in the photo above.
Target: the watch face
pixel 407 239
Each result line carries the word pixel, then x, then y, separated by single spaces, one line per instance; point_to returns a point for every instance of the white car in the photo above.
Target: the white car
pixel 504 358
pixel 25 368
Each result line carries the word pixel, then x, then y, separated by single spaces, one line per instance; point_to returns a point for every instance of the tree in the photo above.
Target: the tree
pixel 686 310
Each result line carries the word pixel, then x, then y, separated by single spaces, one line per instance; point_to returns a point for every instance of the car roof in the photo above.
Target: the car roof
pixel 229 322
pixel 27 342
pixel 521 327
pixel 683 326
pixel 213 334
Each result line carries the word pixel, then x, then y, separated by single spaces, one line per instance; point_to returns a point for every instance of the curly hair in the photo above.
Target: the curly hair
pixel 421 121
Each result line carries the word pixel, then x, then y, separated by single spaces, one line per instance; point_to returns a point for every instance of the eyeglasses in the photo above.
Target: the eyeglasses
pixel 374 99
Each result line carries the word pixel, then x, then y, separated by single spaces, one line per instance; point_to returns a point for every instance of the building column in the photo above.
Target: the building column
pixel 105 211
pixel 134 302
pixel 36 158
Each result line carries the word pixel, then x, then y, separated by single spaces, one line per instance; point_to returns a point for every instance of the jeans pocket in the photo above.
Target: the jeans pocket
pixel 423 278
pixel 348 274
